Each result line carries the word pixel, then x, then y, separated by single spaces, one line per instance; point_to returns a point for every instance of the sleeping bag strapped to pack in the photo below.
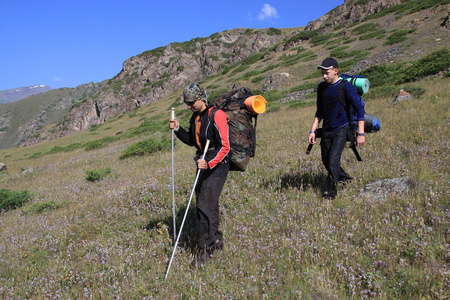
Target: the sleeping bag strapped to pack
pixel 361 84
pixel 243 131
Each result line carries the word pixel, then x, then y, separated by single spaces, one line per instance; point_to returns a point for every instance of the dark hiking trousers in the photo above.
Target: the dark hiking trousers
pixel 208 189
pixel 332 145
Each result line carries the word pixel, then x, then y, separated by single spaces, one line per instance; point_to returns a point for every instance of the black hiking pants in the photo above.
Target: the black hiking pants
pixel 208 189
pixel 332 145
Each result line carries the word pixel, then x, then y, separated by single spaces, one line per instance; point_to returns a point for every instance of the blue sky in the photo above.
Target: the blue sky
pixel 65 43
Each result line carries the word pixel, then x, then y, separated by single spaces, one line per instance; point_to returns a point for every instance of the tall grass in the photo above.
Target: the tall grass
pixel 113 239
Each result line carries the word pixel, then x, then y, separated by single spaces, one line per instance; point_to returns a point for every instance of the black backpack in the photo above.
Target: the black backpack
pixel 242 127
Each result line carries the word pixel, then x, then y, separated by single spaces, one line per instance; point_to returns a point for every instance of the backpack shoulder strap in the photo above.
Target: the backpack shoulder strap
pixel 344 100
pixel 343 95
pixel 212 113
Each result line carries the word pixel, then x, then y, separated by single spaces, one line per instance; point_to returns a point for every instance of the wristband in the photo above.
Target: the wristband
pixel 360 134
pixel 312 132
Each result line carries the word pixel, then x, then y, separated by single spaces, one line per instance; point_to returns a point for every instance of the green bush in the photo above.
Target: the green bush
pixel 258 78
pixel 272 31
pixel 100 143
pixel 398 36
pixel 386 91
pixel 375 34
pixel 427 65
pixel 365 28
pixel 155 52
pixel 273 95
pixel 319 39
pixel 146 147
pixel 379 75
pixel 13 199
pixel 42 206
pixel 97 174
pixel 304 35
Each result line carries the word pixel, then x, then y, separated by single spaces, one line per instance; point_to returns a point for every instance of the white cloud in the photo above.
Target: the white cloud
pixel 57 79
pixel 268 12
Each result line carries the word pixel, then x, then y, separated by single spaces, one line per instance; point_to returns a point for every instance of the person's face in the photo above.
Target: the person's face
pixel 197 106
pixel 330 75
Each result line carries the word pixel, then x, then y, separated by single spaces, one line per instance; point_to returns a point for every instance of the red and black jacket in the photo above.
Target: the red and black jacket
pixel 218 132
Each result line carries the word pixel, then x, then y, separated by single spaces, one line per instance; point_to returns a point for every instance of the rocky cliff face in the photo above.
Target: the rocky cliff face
pixel 154 74
pixel 352 11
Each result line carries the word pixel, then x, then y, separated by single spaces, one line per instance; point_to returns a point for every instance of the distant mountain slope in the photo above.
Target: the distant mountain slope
pixel 8 96
pixel 22 119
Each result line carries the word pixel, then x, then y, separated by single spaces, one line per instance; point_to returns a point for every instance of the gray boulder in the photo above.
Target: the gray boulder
pixel 383 188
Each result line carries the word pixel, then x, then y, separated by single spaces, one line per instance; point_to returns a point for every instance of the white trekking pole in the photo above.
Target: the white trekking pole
pixel 172 117
pixel 187 209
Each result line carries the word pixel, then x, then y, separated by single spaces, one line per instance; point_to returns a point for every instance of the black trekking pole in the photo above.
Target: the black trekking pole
pixel 187 209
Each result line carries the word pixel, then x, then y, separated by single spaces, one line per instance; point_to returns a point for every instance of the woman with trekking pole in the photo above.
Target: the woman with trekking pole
pixel 212 168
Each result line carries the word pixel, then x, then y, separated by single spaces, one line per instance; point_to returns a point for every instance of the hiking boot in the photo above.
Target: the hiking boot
pixel 202 258
pixel 328 196
pixel 218 245
pixel 345 180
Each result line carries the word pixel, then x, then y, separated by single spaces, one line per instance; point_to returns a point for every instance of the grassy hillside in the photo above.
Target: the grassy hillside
pixel 112 238
pixel 89 216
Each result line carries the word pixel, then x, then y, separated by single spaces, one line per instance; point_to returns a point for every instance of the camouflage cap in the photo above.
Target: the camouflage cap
pixel 193 92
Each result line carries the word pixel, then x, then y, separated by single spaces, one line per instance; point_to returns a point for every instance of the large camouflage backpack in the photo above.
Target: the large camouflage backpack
pixel 242 127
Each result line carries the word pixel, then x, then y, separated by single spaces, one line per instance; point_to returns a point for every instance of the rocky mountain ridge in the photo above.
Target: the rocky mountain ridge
pixel 12 95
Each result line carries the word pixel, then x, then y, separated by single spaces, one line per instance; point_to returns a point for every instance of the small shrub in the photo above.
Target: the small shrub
pixel 319 39
pixel 43 206
pixel 372 35
pixel 258 78
pixel 55 149
pixel 272 31
pixel 365 28
pixel 94 145
pixel 37 155
pixel 72 147
pixel 386 91
pixel 13 199
pixel 304 35
pixel 315 74
pixel 146 147
pixel 273 95
pixel 97 174
pixel 398 37
pixel 379 75
pixel 427 65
